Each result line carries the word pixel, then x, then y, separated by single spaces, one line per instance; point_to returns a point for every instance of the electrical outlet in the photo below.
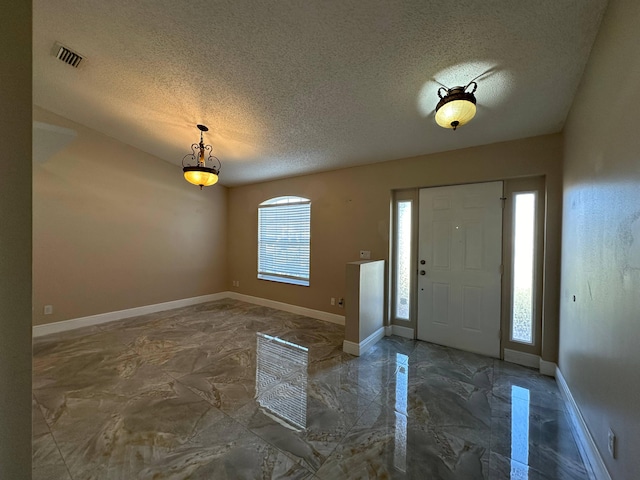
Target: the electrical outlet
pixel 365 254
pixel 48 309
pixel 611 443
pixel 333 301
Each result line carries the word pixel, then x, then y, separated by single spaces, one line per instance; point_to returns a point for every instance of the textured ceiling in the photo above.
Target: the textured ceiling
pixel 293 87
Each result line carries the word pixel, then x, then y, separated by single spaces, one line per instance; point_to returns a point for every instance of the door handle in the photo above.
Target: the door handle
pixel 422 272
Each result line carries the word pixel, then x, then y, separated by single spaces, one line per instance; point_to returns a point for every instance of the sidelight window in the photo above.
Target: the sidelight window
pixel 523 267
pixel 402 273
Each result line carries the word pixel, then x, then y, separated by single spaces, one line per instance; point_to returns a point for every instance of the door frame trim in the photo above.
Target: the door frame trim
pixel 513 186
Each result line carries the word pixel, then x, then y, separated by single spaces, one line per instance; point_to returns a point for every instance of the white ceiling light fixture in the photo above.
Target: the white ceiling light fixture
pixel 457 106
pixel 195 165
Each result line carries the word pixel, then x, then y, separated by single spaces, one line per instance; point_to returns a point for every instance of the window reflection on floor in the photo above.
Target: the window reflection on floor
pixel 519 433
pixel 402 377
pixel 281 379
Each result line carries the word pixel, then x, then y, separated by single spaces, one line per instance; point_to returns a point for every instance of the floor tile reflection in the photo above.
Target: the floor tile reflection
pixel 229 390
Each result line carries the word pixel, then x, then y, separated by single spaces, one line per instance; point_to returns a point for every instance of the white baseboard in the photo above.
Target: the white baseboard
pixel 359 348
pixel 63 326
pixel 521 358
pixel 307 312
pixel 548 368
pixel 388 330
pixel 530 360
pixel 587 446
pixel 351 348
pixel 371 340
pixel 401 331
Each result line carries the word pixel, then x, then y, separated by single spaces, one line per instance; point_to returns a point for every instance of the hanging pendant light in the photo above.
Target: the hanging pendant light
pixel 195 169
pixel 457 107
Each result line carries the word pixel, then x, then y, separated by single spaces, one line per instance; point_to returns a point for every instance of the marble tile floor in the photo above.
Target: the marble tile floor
pixel 230 390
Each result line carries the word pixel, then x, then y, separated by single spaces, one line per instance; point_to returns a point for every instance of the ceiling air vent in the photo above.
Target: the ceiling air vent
pixel 67 56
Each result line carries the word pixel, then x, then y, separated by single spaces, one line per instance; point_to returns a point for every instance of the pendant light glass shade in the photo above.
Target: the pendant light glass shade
pixel 460 111
pixel 202 176
pixel 457 107
pixel 194 164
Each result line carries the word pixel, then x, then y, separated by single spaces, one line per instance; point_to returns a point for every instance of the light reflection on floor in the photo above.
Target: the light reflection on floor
pixel 281 379
pixel 519 433
pixel 402 377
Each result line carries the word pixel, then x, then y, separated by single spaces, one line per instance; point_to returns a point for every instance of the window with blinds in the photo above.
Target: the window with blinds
pixel 284 237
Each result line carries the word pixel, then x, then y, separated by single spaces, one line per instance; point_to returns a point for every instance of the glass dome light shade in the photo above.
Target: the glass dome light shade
pixel 202 176
pixel 461 111
pixel 456 108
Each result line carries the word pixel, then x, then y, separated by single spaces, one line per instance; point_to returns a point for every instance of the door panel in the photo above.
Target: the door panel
pixel 441 244
pixel 473 246
pixel 440 303
pixel 472 306
pixel 460 240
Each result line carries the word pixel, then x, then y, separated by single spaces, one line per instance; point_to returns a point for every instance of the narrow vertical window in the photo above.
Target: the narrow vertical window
pixel 523 281
pixel 403 259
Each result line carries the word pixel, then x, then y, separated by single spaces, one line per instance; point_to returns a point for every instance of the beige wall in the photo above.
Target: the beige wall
pixel 15 241
pixel 116 228
pixel 600 331
pixel 350 212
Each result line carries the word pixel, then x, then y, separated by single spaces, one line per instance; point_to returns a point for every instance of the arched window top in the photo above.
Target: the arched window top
pixel 287 200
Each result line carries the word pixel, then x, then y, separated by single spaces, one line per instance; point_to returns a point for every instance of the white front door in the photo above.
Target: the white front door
pixel 459 258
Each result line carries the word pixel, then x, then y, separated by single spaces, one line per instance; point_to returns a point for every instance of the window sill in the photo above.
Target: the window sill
pixel 290 281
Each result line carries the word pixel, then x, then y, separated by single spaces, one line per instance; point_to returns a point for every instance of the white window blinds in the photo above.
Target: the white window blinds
pixel 284 236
